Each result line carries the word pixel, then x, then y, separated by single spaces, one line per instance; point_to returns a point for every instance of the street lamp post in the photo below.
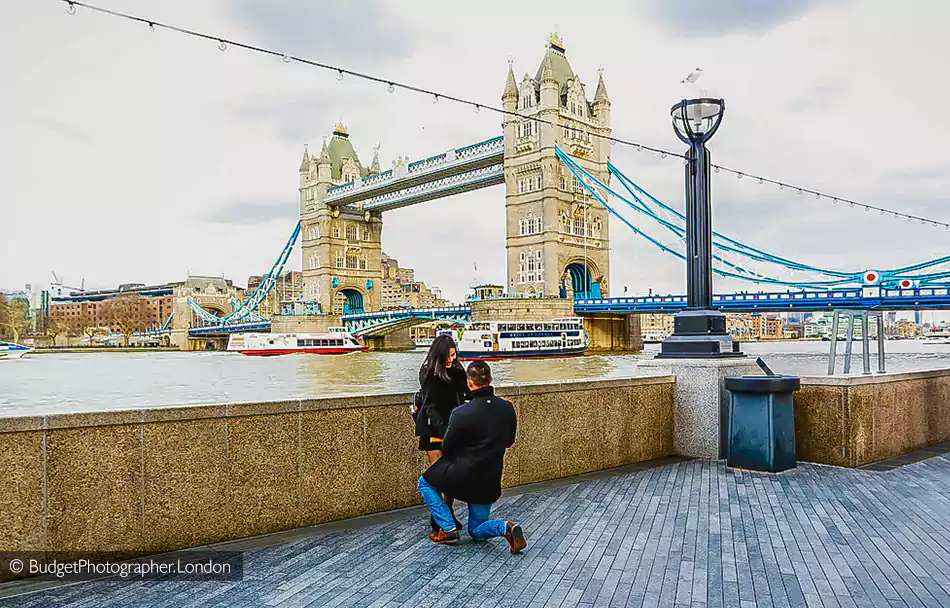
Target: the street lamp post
pixel 700 330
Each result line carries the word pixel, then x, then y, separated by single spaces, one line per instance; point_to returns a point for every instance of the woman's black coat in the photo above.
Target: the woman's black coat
pixel 439 398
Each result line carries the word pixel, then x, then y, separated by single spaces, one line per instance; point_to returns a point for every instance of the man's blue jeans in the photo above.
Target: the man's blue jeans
pixel 480 527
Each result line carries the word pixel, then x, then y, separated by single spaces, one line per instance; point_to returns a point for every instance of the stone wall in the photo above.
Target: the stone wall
pixel 851 421
pixel 521 309
pixel 153 480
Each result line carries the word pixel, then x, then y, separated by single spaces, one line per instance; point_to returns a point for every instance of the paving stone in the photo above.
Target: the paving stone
pixel 691 533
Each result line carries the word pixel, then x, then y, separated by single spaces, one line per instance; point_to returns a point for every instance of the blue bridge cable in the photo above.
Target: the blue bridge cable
pixel 893 273
pixel 752 251
pixel 574 167
pixel 681 232
pixel 251 304
pixel 561 154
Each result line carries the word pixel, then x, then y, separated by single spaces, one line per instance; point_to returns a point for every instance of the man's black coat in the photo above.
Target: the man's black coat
pixel 473 450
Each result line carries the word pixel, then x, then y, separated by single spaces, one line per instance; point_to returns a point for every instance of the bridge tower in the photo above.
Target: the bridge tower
pixel 557 235
pixel 342 255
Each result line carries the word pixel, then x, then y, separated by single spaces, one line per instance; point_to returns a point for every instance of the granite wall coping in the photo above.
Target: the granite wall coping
pixel 177 413
pixel 862 380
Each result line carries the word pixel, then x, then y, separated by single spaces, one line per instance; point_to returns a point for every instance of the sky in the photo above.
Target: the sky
pixel 137 156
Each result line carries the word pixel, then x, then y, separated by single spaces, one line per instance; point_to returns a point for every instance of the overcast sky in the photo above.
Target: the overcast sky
pixel 137 156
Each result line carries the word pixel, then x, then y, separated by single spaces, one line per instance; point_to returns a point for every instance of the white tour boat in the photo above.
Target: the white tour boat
pixel 337 341
pixel 936 339
pixel 11 350
pixel 489 340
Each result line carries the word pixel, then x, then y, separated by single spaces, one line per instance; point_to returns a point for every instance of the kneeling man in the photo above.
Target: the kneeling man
pixel 473 453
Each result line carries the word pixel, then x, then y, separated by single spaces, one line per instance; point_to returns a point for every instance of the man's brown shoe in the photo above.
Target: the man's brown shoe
pixel 445 538
pixel 515 536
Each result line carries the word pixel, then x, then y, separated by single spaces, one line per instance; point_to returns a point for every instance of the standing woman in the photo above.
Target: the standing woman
pixel 443 387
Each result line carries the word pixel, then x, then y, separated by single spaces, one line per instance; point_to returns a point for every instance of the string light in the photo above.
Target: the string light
pixel 391 85
pixel 477 108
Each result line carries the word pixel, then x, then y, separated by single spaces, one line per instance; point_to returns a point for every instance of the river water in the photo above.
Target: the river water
pixel 73 382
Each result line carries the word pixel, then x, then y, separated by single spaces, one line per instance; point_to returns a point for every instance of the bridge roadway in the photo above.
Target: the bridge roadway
pixel 872 298
pixel 667 533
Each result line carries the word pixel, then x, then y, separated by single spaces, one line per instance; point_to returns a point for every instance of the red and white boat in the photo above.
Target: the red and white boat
pixel 337 341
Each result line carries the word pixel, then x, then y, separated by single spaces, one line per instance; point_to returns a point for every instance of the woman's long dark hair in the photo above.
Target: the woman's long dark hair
pixel 438 354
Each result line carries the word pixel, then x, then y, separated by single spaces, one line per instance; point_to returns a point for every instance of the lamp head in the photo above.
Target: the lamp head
pixel 695 120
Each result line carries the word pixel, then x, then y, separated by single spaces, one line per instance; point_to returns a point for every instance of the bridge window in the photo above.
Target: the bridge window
pixel 336 232
pixel 531 183
pixel 314 262
pixel 352 262
pixel 352 234
pixel 313 233
pixel 339 263
pixel 531 225
pixel 532 267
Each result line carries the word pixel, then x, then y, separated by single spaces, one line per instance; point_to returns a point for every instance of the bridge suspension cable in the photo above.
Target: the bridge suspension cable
pixel 724 243
pixel 224 42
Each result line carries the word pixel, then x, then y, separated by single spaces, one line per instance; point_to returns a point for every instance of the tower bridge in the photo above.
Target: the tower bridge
pixel 553 158
pixel 549 215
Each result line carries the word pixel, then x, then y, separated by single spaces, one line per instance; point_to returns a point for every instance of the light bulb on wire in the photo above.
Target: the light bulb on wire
pixel 70 8
pixel 390 88
pixel 339 74
pixel 222 45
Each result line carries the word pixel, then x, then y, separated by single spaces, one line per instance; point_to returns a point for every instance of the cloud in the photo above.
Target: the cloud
pixel 293 118
pixel 63 129
pixel 713 18
pixel 353 30
pixel 822 95
pixel 243 212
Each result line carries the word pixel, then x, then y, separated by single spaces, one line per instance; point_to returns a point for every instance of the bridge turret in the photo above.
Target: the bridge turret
pixel 550 97
pixel 510 103
pixel 304 179
pixel 324 168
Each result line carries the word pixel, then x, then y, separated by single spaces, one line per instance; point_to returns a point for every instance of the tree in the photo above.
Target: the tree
pixel 14 317
pixel 54 327
pixel 128 313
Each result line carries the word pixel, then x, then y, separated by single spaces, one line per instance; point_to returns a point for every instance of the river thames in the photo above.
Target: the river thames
pixel 70 382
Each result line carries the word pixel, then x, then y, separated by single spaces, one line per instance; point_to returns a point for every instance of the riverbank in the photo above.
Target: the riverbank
pixel 158 349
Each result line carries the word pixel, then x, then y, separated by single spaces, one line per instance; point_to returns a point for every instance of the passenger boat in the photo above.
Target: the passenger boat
pixel 491 340
pixel 936 339
pixel 337 341
pixel 11 350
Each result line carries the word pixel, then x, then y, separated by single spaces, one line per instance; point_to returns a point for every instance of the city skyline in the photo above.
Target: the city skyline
pixel 193 153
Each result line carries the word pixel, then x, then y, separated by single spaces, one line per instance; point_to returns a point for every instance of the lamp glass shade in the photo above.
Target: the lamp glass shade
pixel 695 116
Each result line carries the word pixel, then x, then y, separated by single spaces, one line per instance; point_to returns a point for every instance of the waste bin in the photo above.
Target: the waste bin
pixel 761 422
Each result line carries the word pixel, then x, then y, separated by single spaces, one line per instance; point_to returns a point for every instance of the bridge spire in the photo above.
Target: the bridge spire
pixel 511 87
pixel 600 96
pixel 324 153
pixel 374 166
pixel 305 163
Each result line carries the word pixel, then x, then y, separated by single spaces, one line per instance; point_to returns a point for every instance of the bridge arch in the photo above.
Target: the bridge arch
pixel 349 300
pixel 580 279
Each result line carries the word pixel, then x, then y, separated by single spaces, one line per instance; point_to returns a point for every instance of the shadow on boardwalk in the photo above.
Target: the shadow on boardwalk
pixel 686 533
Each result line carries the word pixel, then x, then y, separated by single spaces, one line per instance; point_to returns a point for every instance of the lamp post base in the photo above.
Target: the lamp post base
pixel 699 334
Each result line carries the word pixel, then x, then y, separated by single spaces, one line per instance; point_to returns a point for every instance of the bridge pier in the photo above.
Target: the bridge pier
pixel 614 333
pixel 399 340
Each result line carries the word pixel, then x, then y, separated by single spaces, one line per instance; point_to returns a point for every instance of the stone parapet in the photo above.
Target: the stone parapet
pixel 855 420
pixel 158 479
